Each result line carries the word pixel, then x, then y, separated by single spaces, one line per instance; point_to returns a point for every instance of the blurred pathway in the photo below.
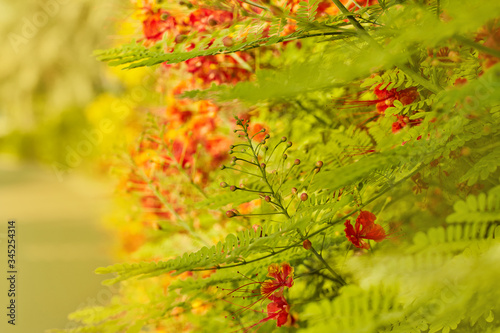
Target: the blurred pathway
pixel 60 244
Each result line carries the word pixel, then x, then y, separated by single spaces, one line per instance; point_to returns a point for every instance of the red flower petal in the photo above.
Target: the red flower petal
pixel 365 228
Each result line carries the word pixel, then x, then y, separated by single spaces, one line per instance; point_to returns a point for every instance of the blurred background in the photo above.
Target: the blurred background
pixel 61 116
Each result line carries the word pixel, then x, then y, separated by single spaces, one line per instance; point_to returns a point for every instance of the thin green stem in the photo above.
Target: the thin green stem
pixel 337 277
pixel 317 272
pixel 256 5
pixel 248 190
pixel 351 18
pixel 242 159
pixel 264 176
pixel 257 214
pixel 330 269
pixel 286 176
pixel 477 46
pixel 242 171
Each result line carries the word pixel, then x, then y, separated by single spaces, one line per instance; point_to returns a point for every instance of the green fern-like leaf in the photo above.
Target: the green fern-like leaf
pixel 376 306
pixel 480 209
pixel 235 247
pixel 307 12
pixel 487 165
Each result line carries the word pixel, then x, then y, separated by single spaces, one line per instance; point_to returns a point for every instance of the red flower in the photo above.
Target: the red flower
pixel 278 309
pixel 403 121
pixel 156 23
pixel 365 228
pixel 386 97
pixel 283 276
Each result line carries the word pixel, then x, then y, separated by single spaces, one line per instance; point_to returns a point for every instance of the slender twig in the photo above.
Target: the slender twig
pixel 330 269
pixel 275 213
pixel 477 46
pixel 249 190
pixel 317 272
pixel 256 5
pixel 242 171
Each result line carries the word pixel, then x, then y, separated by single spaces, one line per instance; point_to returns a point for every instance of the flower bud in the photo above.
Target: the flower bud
pixel 232 188
pixel 296 162
pixel 289 143
pixel 263 165
pixel 230 213
pixel 222 167
pixel 319 164
pixel 212 22
pixel 180 38
pixel 267 198
pixel 285 156
pixel 303 196
pixel 227 41
pixel 267 136
pixel 294 190
pixel 283 139
pixel 307 244
pixel 223 184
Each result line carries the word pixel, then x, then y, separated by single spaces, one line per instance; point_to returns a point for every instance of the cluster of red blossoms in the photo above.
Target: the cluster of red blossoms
pixel 365 228
pixel 386 99
pixel 278 309
pixel 219 68
pixel 205 70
